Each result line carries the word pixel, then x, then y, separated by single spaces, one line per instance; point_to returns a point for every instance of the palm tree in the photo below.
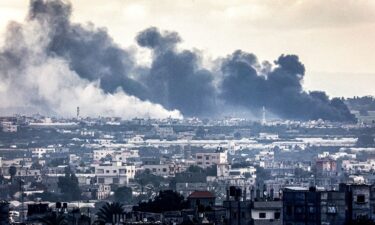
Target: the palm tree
pixel 53 219
pixel 12 172
pixel 111 212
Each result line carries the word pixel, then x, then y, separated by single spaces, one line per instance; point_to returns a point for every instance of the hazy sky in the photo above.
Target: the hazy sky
pixel 335 39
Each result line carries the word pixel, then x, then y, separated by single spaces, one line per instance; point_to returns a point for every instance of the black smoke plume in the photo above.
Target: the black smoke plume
pixel 249 84
pixel 90 51
pixel 175 79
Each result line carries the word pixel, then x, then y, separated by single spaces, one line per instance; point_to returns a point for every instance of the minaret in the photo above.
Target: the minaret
pixel 264 116
pixel 77 112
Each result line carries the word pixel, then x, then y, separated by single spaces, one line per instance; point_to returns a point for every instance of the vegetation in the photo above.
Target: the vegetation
pixel 110 212
pixel 69 186
pixel 365 140
pixel 12 172
pixel 124 194
pixel 166 201
pixel 146 177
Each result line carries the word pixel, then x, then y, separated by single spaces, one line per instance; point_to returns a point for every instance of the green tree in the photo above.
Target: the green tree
pixel 36 166
pixel 12 172
pixel 211 171
pixel 365 140
pixel 146 178
pixel 237 135
pixel 262 175
pixel 124 194
pixel 166 201
pixel 68 185
pixel 110 211
pixel 195 169
pixel 200 133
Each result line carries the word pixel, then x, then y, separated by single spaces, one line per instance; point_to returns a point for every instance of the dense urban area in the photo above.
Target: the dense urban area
pixel 187 171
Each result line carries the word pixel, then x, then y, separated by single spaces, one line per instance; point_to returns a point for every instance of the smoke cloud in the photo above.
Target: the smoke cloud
pixel 51 65
pixel 247 83
pixel 175 79
pixel 37 75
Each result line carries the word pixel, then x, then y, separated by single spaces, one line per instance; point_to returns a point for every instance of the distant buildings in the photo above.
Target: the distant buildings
pixel 205 160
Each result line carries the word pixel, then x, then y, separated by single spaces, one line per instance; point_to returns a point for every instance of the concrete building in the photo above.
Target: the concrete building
pixel 266 212
pixel 114 173
pixel 209 159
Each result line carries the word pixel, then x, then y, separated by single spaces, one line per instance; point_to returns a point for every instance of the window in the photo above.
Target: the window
pixel 116 180
pixel 164 170
pixel 289 210
pixel 262 215
pixel 277 215
pixel 207 158
pixel 101 180
pixel 361 198
pixel 243 214
pixel 199 157
pixel 331 209
pixel 299 210
pixel 107 171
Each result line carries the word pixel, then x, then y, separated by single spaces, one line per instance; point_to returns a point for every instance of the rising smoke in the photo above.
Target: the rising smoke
pixel 51 65
pixel 175 79
pixel 278 89
pixel 36 77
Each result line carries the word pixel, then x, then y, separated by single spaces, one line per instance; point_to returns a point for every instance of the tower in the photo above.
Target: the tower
pixel 77 112
pixel 264 116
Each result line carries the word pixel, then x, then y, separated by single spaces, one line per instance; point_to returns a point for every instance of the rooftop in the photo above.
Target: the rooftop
pixel 201 194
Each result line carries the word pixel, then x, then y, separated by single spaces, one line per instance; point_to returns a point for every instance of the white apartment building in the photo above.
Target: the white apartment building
pixel 164 131
pixel 162 169
pixel 114 173
pixel 103 191
pixel 222 170
pixel 40 152
pixel 249 172
pixel 353 167
pixel 119 155
pixel 205 160
pixel 9 127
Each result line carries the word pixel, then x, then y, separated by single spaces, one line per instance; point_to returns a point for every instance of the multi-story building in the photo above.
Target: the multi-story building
pixel 326 167
pixel 9 127
pixel 209 159
pixel 114 173
pixel 310 206
pixel 261 210
pixel 266 212
pixel 162 169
